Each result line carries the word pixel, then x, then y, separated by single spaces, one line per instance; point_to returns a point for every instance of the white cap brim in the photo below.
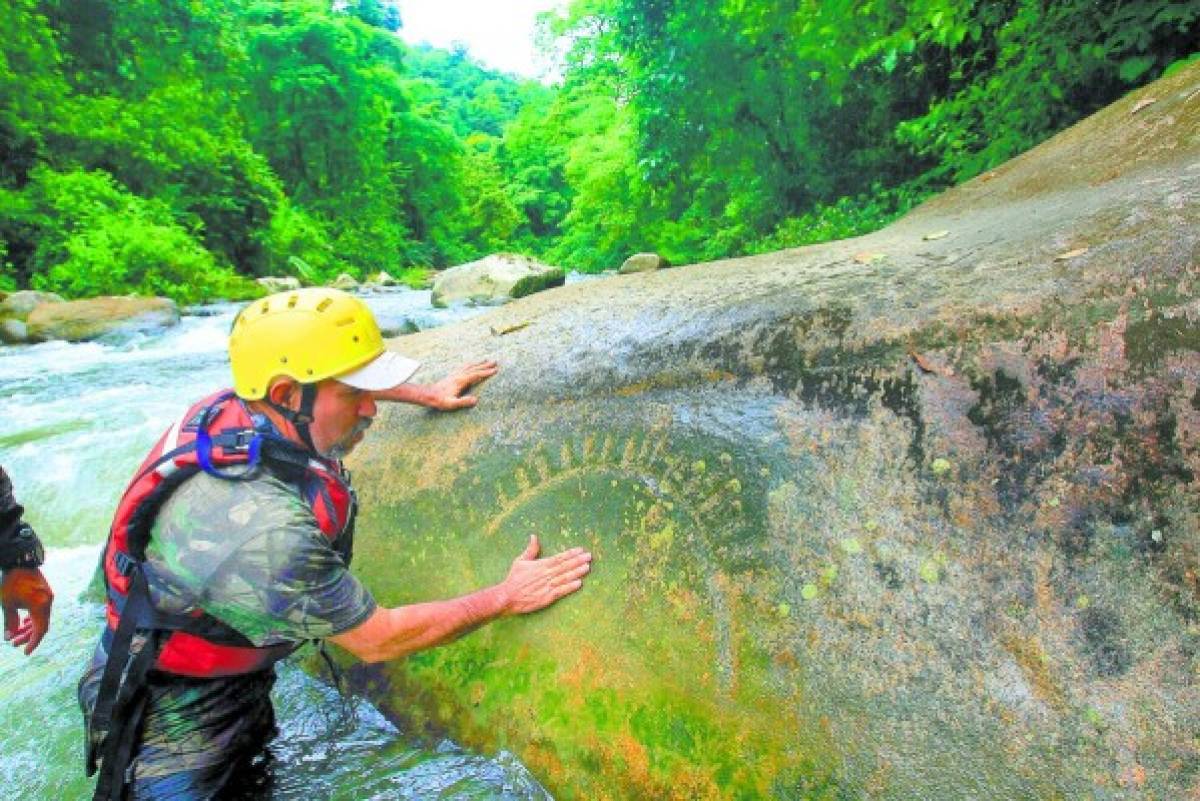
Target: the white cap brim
pixel 387 370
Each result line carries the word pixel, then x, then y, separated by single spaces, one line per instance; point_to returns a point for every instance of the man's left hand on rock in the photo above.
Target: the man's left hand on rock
pixel 445 395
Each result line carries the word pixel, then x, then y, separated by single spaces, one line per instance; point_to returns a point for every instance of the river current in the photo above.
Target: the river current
pixel 75 421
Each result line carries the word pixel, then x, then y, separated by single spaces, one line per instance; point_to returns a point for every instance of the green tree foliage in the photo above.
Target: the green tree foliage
pixel 112 241
pixel 758 122
pixel 470 98
pixel 244 137
pixel 180 147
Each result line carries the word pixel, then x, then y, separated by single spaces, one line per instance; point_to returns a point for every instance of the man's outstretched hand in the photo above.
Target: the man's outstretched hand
pixel 445 395
pixel 448 394
pixel 534 584
pixel 26 588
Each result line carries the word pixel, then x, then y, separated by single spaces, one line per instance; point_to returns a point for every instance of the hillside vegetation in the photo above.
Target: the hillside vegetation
pixel 181 148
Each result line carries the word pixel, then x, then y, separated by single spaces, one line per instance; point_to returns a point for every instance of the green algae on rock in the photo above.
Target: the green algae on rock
pixel 824 568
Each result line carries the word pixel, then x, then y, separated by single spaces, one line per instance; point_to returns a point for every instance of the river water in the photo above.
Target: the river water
pixel 75 421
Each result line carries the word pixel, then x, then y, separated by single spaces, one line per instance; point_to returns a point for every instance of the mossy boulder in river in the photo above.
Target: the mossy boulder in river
pixel 80 320
pixel 911 516
pixel 494 279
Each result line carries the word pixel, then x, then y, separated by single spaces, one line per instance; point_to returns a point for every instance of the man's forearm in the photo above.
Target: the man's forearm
pixel 419 394
pixel 403 630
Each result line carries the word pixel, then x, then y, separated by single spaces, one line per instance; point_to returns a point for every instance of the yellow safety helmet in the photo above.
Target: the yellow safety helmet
pixel 310 335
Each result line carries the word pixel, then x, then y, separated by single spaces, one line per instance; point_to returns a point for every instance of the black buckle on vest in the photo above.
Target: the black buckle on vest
pixel 125 563
pixel 235 440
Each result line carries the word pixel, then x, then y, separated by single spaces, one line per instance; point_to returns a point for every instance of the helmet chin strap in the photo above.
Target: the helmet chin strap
pixel 303 418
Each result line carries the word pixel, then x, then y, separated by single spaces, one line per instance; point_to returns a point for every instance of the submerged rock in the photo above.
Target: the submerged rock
pixel 494 279
pixel 920 526
pixel 80 320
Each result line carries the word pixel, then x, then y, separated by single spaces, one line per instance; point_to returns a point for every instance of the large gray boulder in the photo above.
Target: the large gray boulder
pixel 494 279
pixel 80 320
pixel 910 516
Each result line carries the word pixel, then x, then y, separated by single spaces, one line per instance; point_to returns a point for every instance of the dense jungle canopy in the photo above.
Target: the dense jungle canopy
pixel 181 148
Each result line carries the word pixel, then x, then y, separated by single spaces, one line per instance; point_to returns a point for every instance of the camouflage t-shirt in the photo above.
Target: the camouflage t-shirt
pixel 249 553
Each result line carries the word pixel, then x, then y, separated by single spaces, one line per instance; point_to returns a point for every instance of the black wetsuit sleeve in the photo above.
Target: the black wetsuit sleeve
pixel 19 545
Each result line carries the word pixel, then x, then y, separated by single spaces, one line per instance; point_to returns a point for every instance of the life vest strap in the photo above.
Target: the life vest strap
pixel 121 691
pixel 126 564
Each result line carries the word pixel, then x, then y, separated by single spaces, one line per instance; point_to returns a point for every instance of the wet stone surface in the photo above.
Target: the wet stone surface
pixel 921 528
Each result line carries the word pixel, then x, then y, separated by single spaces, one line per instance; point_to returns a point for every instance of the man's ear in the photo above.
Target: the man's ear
pixel 281 391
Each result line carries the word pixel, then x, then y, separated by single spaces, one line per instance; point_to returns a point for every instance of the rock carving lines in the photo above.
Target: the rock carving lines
pixel 702 495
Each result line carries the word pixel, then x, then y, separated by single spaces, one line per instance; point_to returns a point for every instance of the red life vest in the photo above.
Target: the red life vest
pixel 217 435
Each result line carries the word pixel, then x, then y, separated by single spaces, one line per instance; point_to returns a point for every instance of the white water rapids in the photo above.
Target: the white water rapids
pixel 75 421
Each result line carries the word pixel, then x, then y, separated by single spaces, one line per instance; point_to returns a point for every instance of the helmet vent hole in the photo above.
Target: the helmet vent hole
pixel 309 371
pixel 266 307
pixel 355 337
pixel 283 359
pixel 324 304
pixel 292 301
pixel 345 321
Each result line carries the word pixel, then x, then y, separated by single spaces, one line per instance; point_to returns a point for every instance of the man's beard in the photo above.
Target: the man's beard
pixel 346 444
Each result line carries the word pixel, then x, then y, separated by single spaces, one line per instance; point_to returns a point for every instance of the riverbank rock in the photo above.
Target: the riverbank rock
pixel 14 332
pixel 908 516
pixel 80 320
pixel 494 279
pixel 345 282
pixel 15 309
pixel 18 305
pixel 274 284
pixel 382 278
pixel 642 263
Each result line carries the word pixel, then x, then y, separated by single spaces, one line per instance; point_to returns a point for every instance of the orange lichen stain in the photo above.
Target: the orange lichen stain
pixel 636 761
pixel 667 380
pixel 442 458
pixel 786 659
pixel 1134 776
pixel 1029 655
pixel 1043 593
pixel 685 603
pixel 581 677
pixel 879 779
pixel 693 783
pixel 543 761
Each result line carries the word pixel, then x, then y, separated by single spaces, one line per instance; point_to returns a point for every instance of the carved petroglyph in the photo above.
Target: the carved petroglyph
pixel 688 506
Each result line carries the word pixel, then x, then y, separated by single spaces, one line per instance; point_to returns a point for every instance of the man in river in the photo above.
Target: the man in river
pixel 230 549
pixel 23 585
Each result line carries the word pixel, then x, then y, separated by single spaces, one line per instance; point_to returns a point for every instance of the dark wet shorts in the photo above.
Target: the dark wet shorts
pixel 201 739
pixel 247 779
